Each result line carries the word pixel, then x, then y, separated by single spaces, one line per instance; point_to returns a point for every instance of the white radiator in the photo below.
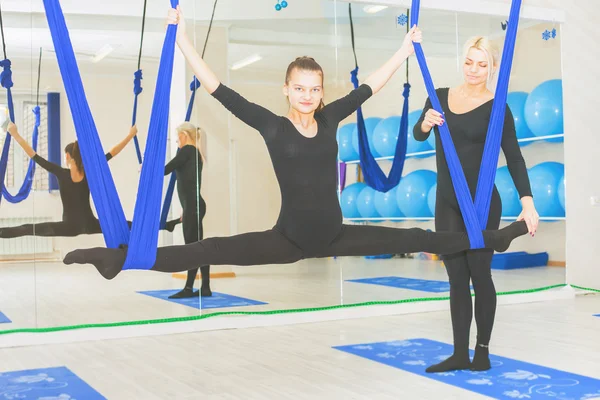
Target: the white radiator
pixel 26 245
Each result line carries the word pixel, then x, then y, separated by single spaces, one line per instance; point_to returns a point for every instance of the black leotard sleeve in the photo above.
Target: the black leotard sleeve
pixel 418 134
pixel 55 168
pixel 514 158
pixel 250 113
pixel 182 156
pixel 50 166
pixel 344 106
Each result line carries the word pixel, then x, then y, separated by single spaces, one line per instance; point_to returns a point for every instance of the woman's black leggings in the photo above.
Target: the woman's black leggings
pixel 192 233
pixel 465 267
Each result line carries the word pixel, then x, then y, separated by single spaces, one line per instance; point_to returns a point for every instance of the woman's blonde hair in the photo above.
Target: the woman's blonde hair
pixel 489 49
pixel 196 136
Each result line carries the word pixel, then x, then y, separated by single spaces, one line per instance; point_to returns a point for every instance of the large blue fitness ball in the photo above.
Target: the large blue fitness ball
pixel 544 109
pixel 349 200
pixel 386 203
pixel 545 179
pixel 345 148
pixel 413 191
pixel 516 103
pixel 511 206
pixel 366 203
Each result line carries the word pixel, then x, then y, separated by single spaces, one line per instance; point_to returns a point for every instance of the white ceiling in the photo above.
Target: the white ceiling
pixel 305 27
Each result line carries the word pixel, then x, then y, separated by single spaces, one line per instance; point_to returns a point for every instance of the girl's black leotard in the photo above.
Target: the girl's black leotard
pixel 77 218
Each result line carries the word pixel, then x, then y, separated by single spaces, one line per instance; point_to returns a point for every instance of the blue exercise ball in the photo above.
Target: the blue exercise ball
pixel 344 138
pixel 511 206
pixel 386 203
pixel 349 200
pixel 414 146
pixel 385 136
pixel 561 192
pixel 431 199
pixel 516 103
pixel 370 123
pixel 544 109
pixel 545 178
pixel 366 203
pixel 413 191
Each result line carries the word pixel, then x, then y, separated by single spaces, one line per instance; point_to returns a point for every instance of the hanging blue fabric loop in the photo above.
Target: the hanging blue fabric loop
pixel 25 189
pixel 137 89
pixel 7 83
pixel 374 176
pixel 475 214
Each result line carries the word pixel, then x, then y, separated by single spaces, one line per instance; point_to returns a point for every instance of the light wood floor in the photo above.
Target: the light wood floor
pixel 298 362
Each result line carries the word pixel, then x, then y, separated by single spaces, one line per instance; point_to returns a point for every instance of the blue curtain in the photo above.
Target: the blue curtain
pixel 475 214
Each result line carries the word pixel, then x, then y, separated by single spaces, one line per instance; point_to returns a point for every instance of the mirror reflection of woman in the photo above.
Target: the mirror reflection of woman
pixel 77 217
pixel 188 164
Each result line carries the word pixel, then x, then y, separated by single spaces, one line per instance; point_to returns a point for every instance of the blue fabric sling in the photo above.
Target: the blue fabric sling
pixel 25 188
pixel 475 214
pixel 143 239
pixel 373 175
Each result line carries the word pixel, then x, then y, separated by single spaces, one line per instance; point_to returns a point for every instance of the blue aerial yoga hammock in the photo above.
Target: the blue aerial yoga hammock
pixel 7 83
pixel 374 176
pixel 28 182
pixel 475 214
pixel 143 239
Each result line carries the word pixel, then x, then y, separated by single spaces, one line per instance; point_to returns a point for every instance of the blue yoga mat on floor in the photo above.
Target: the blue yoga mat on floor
pixel 217 300
pixel 57 383
pixel 508 378
pixel 4 319
pixel 422 285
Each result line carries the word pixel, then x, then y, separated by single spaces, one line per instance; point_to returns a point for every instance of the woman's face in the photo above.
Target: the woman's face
pixel 304 90
pixel 476 67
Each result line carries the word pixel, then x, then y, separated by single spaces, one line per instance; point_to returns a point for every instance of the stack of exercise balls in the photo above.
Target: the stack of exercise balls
pixel 410 199
pixel 536 115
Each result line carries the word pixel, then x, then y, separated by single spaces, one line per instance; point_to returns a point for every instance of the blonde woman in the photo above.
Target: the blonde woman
pixel 467 110
pixel 188 164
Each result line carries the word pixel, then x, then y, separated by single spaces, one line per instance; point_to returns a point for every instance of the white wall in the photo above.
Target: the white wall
pixel 580 53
